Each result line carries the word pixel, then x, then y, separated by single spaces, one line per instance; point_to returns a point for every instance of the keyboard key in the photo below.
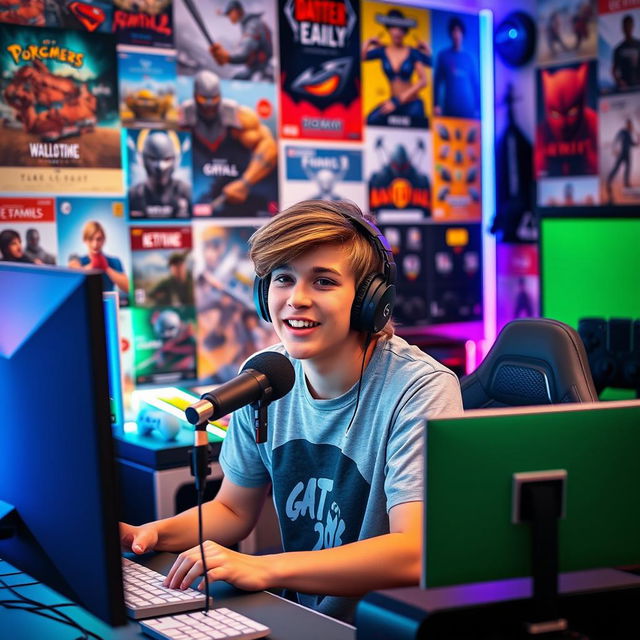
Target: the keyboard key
pixel 218 624
pixel 145 597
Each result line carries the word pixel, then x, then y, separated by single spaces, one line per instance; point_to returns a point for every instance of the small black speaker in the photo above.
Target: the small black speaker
pixel 515 39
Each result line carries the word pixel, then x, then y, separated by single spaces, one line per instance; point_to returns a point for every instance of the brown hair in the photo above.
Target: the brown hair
pixel 308 225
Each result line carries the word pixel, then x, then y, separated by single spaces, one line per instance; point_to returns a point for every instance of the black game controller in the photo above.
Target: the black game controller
pixel 613 348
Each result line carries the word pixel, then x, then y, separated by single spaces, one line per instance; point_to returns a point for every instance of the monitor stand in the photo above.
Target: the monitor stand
pixel 586 605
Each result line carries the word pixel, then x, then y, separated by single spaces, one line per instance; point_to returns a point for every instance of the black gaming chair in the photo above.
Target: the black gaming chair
pixel 533 361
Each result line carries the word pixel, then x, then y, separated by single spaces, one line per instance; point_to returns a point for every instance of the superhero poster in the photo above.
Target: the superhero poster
pixel 583 191
pixel 320 70
pixel 322 173
pixel 159 174
pixel 235 153
pixel 92 232
pixel 59 107
pixel 147 88
pixel 456 70
pixel 162 266
pixel 92 15
pixel 457 187
pixel 229 330
pixel 619 153
pixel 28 230
pixel 618 46
pixel 235 39
pixel 396 65
pixel 518 282
pixel 567 31
pixel 164 345
pixel 567 130
pixel 397 169
pixel 148 24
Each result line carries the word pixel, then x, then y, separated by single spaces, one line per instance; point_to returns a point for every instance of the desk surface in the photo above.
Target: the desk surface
pixel 287 620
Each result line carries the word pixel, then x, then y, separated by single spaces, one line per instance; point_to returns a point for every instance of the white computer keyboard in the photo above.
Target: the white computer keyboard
pixel 217 623
pixel 145 597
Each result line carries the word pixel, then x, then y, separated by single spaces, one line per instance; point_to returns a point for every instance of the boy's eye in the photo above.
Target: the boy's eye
pixel 325 282
pixel 283 278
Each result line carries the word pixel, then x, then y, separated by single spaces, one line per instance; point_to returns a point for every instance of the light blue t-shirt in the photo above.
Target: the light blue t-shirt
pixel 331 487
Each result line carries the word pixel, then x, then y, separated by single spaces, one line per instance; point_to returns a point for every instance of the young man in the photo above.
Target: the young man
pixel 344 450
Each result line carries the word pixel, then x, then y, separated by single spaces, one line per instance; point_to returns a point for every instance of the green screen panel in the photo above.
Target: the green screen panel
pixel 470 462
pixel 590 267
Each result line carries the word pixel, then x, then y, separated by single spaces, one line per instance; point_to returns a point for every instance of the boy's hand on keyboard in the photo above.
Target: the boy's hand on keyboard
pixel 241 570
pixel 138 539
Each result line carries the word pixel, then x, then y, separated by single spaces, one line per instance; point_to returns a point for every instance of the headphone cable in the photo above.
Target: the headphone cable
pixel 364 357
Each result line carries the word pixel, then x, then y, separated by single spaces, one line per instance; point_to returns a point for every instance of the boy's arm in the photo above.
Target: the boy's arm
pixel 385 561
pixel 227 519
pixel 382 562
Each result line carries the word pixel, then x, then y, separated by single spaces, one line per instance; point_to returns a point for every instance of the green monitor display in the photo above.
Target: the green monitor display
pixel 470 461
pixel 590 267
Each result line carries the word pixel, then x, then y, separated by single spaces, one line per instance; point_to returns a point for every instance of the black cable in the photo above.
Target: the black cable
pixel 364 357
pixel 22 584
pixel 40 609
pixel 204 563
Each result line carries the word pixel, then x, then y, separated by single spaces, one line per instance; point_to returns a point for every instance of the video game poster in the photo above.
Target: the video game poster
pixel 148 24
pixel 59 105
pixel 320 92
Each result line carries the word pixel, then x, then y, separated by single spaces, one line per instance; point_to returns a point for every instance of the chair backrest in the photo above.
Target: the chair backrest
pixel 533 361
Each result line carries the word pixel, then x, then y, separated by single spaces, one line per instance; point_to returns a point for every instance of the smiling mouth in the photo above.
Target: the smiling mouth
pixel 301 324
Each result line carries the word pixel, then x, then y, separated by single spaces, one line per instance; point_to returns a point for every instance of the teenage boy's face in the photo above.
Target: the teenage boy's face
pixel 310 303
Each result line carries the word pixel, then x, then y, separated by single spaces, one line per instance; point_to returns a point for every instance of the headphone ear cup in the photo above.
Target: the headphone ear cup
pixel 261 297
pixel 362 316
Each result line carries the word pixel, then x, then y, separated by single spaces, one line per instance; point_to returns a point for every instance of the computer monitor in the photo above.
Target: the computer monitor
pixel 470 461
pixel 57 466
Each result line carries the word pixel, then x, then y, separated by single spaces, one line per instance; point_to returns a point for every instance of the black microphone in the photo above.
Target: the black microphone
pixel 264 378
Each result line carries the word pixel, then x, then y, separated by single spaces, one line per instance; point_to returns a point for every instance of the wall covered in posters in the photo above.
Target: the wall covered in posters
pixel 587 149
pixel 150 142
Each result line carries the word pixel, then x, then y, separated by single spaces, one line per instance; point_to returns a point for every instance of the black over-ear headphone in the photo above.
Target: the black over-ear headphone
pixel 373 303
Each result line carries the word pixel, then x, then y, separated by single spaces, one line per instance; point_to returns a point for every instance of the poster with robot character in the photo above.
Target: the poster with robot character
pixel 322 173
pixel 235 39
pixel 398 168
pixel 93 231
pixel 159 174
pixel 28 230
pixel 59 108
pixel 320 70
pixel 147 87
pixel 398 93
pixel 148 23
pixel 229 330
pixel 235 154
pixel 90 15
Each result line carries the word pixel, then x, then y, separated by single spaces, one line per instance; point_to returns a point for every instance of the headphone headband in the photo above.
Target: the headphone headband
pixel 381 244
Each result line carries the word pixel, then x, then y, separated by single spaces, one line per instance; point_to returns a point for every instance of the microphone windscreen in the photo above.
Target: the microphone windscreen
pixel 277 368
